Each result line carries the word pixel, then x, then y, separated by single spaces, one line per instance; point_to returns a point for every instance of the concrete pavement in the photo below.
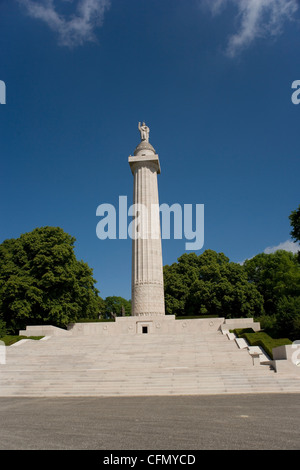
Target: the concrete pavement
pixel 231 422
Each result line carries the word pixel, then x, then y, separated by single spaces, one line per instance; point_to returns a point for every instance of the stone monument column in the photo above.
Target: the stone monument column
pixel 147 268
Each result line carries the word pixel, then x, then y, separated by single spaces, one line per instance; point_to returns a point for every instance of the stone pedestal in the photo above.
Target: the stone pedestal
pixel 147 268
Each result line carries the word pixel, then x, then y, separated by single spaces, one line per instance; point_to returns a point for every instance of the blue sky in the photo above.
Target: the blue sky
pixel 212 79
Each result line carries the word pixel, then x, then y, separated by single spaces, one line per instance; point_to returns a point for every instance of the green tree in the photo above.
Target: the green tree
pixel 288 317
pixel 295 223
pixel 116 305
pixel 210 284
pixel 178 279
pixel 3 329
pixel 276 275
pixel 41 281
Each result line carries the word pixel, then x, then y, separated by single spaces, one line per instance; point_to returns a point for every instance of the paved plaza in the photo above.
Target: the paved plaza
pixel 231 422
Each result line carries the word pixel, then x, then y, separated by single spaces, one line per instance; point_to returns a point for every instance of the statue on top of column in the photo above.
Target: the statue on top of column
pixel 144 131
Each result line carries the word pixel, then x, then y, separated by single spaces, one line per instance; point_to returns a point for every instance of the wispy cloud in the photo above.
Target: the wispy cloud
pixel 73 29
pixel 255 19
pixel 287 246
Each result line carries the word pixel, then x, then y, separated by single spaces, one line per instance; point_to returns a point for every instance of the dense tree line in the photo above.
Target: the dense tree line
pixel 209 284
pixel 266 287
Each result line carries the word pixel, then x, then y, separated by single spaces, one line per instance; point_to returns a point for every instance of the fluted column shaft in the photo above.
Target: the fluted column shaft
pixel 147 268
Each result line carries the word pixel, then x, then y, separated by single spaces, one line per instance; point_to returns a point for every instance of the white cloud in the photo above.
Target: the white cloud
pixel 74 29
pixel 255 18
pixel 287 246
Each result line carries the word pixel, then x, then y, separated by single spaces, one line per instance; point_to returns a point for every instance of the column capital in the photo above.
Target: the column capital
pixel 141 160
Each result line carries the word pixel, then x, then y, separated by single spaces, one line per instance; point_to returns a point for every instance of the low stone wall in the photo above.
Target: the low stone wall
pixel 232 323
pixel 43 330
pixel 152 324
pixel 286 358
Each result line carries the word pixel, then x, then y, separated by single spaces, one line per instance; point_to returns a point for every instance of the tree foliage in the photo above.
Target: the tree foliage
pixel 288 317
pixel 276 275
pixel 117 306
pixel 210 284
pixel 295 224
pixel 41 281
pixel 266 286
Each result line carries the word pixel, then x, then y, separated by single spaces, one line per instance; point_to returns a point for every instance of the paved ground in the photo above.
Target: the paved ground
pixel 263 421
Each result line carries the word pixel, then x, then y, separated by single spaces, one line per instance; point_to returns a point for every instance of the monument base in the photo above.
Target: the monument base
pixel 143 325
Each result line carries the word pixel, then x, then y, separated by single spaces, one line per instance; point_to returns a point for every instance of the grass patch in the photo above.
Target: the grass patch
pixel 11 339
pixel 262 339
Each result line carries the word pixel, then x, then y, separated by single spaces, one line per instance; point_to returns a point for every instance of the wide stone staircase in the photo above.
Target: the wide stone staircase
pixel 136 365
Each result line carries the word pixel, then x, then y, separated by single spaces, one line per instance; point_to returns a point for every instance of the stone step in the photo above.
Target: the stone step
pixel 159 391
pixel 135 366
